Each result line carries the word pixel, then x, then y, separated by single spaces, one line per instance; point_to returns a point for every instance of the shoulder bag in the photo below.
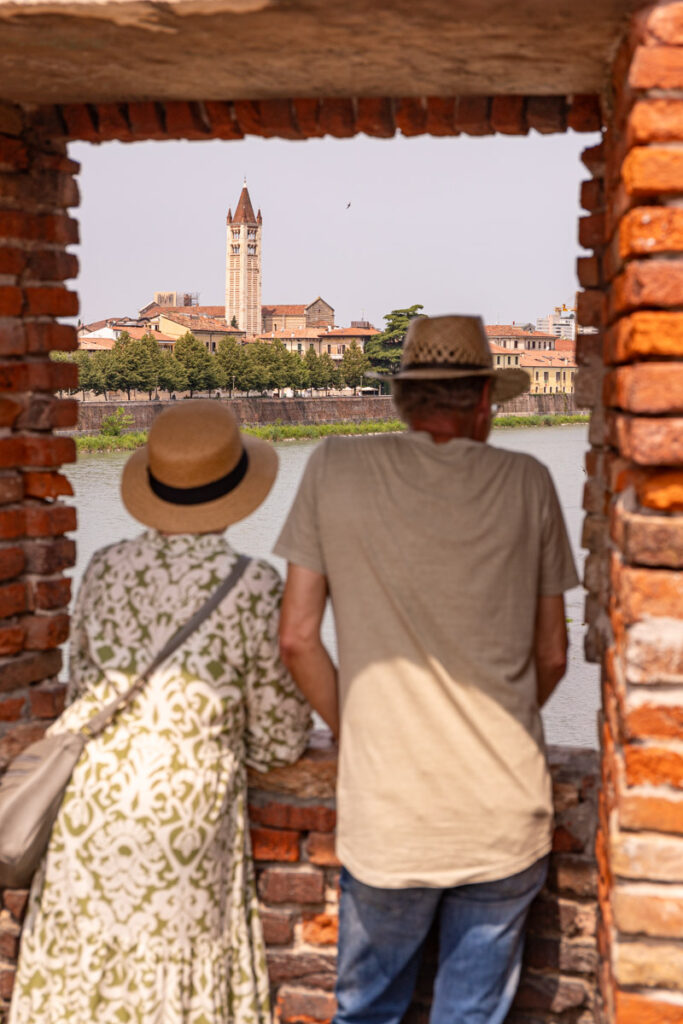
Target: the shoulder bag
pixel 32 788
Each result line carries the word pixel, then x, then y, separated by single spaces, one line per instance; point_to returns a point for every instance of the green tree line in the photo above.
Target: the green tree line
pixel 142 365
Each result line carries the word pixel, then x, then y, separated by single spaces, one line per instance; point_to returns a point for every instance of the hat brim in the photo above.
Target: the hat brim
pixel 209 516
pixel 508 382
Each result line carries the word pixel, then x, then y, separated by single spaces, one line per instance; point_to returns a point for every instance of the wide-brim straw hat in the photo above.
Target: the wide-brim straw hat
pixel 448 347
pixel 197 473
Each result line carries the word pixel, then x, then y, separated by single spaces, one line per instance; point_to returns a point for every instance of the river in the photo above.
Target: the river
pixel 570 715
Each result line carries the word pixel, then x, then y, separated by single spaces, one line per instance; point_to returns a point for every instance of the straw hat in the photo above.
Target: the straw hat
pixel 447 347
pixel 197 473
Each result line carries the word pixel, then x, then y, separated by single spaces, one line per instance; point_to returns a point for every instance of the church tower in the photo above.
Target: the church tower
pixel 243 266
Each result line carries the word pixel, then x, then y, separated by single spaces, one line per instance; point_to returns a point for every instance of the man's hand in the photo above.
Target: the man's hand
pixel 550 645
pixel 301 648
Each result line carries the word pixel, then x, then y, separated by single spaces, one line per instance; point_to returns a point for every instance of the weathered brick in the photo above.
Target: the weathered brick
pixel 649 909
pixel 13 599
pixel 646 856
pixel 653 765
pixel 146 123
pixel 51 265
pixel 647 539
pixel 279 814
pixel 662 491
pixel 112 122
pixel 307 113
pixel 588 271
pixel 507 115
pixel 314 970
pixel 47 451
pixel 560 954
pixel 48 337
pixel 645 334
pixel 656 67
pixel 11 300
pixel 11 639
pixel 320 849
pixel 546 114
pixel 11 119
pixel 278 927
pixel 222 119
pixel 411 115
pixel 320 929
pixel 12 743
pixel 45 631
pixel 28 668
pixel 584 113
pixel 662 24
pixel 593 158
pixel 12 561
pixel 184 120
pixel 274 844
pixel 649 441
pixel 46 485
pixel 12 522
pixel 642 593
pixel 49 520
pixel 79 122
pixel 653 388
pixel 472 115
pixel 11 484
pixel 12 338
pixel 13 262
pixel 47 703
pixel 12 708
pixel 50 300
pixel 651 282
pixel 278 119
pixel 440 115
pixel 301 1006
pixel 592 231
pixel 285 885
pixel 47 557
pixel 550 992
pixel 43 412
pixel 16 901
pixel 9 938
pixel 47 595
pixel 648 965
pixel 337 118
pixel 653 170
pixel 589 306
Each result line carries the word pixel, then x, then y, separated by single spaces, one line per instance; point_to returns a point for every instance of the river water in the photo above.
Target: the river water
pixel 570 715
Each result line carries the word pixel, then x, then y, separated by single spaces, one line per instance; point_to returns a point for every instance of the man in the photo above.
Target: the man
pixel 446 560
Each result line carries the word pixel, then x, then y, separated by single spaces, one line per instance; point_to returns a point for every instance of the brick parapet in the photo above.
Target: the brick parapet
pixel 37 187
pixel 634 526
pixel 292 814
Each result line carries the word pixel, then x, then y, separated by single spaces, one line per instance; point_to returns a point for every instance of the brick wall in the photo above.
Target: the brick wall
pixel 293 818
pixel 632 376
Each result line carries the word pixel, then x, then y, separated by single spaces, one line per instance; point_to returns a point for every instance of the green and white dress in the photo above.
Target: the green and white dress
pixel 144 909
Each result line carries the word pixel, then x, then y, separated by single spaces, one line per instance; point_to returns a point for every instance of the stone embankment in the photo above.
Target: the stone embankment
pixel 259 411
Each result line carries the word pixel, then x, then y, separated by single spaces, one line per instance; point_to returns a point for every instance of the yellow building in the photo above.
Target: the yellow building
pixel 551 372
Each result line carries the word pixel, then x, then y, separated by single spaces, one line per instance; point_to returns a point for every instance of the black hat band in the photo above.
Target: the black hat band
pixel 205 492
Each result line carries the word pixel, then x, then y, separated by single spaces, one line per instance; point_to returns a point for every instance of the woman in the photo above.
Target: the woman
pixel 144 910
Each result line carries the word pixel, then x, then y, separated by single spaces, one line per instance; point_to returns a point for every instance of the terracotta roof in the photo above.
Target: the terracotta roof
pixel 319 298
pixel 96 344
pixel 565 345
pixel 283 310
pixel 547 359
pixel 140 332
pixel 244 211
pixel 512 331
pixel 352 332
pixel 292 333
pixel 196 322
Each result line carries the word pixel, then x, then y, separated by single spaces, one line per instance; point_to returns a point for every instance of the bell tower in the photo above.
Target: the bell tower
pixel 243 266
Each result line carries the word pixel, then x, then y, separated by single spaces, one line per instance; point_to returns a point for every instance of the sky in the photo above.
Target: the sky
pixel 460 225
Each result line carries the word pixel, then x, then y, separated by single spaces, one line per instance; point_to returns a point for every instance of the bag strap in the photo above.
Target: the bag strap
pixel 99 722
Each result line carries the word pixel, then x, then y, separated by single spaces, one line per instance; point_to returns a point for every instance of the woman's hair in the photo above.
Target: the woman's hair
pixel 423 397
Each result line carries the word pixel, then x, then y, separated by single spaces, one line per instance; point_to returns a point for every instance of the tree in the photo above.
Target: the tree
pixel 354 366
pixel 229 359
pixel 384 350
pixel 134 364
pixel 198 364
pixel 151 356
pixel 330 374
pixel 172 374
pixel 233 322
pixel 317 377
pixel 254 373
pixel 298 370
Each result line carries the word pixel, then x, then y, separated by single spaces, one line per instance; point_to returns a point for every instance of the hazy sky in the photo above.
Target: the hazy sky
pixel 486 225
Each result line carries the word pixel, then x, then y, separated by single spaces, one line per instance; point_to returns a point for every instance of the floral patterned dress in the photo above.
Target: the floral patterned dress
pixel 144 909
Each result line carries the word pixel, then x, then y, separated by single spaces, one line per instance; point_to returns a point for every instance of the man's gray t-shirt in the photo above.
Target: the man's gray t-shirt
pixel 435 555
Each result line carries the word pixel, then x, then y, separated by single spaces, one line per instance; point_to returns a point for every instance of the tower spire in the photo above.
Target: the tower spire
pixel 243 265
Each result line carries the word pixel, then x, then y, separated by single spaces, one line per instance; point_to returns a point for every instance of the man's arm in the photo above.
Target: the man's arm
pixel 301 648
pixel 550 644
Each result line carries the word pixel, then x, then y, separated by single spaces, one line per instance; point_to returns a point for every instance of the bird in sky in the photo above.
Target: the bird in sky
pixel 347 205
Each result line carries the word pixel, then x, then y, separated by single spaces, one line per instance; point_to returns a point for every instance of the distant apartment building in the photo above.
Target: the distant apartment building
pixel 512 336
pixel 561 323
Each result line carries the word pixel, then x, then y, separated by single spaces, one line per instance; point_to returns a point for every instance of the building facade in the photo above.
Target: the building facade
pixel 243 266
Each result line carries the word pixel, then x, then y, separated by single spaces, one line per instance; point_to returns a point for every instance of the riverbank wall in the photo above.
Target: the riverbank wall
pixel 261 411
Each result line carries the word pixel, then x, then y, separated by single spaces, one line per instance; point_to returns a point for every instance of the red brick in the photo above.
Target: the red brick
pixel 50 301
pixel 145 121
pixel 47 703
pixel 307 114
pixel 28 668
pixel 6 982
pixel 16 901
pixel 57 162
pixel 584 113
pixel 50 594
pixel 552 992
pixel 47 451
pixel 11 119
pixel 12 338
pixel 11 300
pixel 320 849
pixel 38 227
pixel 11 523
pixel 11 639
pixel 278 927
pixel 302 967
pixel 13 154
pixel 507 115
pixel 636 1008
pixel 45 631
pixel 662 492
pixel 12 261
pixel 588 271
pixel 112 122
pixel 472 115
pixel 320 929
pixel 564 841
pixel 79 122
pixel 592 195
pixel 12 743
pixel 222 119
pixel 592 231
pixel 336 118
pixel 10 410
pixel 646 231
pixel 49 520
pixel 46 557
pixel 285 885
pixel 655 120
pixel 589 306
pixel 440 115
pixel 644 283
pixel 43 412
pixel 648 720
pixel 278 814
pixel 658 813
pixel 645 334
pixel 11 484
pixel 39 189
pixel 13 599
pixel 652 388
pixel 274 844
pixel 546 114
pixel 12 562
pixel 9 941
pixel 183 120
pixel 653 765
pixel 43 338
pixel 52 265
pixel 46 485
pixel 653 170
pixel 248 117
pixel 571 873
pixel 278 119
pixel 649 441
pixel 645 592
pixel 411 115
pixel 12 708
pixel 656 67
pixel 301 1006
pixel 593 158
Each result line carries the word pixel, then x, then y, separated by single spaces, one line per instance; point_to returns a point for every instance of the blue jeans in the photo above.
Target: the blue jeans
pixel 481 937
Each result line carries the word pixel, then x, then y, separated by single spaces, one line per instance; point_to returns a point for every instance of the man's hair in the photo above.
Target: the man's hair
pixel 423 397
